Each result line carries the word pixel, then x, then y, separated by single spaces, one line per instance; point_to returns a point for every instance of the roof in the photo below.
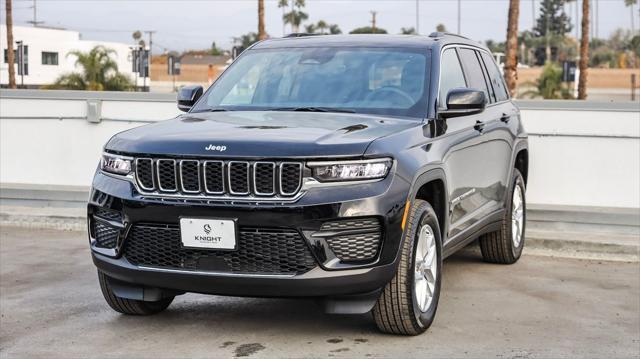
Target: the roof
pixel 368 40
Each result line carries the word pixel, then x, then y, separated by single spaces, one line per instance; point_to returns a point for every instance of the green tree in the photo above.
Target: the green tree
pixel 552 24
pixel 310 28
pixel 549 85
pixel 215 50
pixel 99 73
pixel 408 31
pixel 368 30
pixel 247 39
pixel 553 20
pixel 334 29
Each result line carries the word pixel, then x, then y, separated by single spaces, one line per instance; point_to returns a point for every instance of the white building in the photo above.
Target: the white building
pixel 46 52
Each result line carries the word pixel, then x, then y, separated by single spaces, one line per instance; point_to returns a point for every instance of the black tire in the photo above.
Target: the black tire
pixel 130 306
pixel 397 311
pixel 498 246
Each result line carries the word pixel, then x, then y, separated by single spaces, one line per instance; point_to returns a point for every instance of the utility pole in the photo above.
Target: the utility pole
pixel 373 21
pixel 596 23
pixel 459 17
pixel 35 21
pixel 533 14
pixel 577 25
pixel 418 17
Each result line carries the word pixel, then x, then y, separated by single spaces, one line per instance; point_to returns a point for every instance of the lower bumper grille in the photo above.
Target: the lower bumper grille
pixel 260 251
pixel 353 240
pixel 105 235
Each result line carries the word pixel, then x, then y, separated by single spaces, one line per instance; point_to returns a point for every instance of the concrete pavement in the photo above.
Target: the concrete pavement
pixel 50 305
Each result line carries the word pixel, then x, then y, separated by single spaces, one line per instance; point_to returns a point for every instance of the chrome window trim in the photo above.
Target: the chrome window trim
pixel 175 174
pixel 464 46
pixel 204 166
pixel 273 178
pixel 282 192
pixel 153 175
pixel 181 176
pixel 231 191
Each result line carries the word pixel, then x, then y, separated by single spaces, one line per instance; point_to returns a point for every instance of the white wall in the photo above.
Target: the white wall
pixel 584 155
pixel 41 39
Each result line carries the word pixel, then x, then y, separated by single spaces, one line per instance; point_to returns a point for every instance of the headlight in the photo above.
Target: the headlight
pixel 116 164
pixel 350 170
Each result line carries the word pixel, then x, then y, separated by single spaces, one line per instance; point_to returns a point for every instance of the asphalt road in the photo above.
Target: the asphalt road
pixel 50 305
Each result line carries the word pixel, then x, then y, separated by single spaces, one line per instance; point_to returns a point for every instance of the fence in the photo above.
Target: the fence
pixel 581 153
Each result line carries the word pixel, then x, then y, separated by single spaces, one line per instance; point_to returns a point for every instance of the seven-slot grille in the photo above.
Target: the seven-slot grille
pixel 213 178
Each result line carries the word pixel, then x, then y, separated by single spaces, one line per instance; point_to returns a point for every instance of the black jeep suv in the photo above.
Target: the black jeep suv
pixel 344 168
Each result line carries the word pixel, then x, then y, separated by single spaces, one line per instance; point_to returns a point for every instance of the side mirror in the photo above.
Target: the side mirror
pixel 464 102
pixel 187 97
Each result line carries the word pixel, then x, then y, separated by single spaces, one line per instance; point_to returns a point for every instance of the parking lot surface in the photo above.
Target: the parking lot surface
pixel 50 305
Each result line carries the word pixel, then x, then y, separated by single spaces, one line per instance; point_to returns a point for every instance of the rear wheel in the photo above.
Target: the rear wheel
pixel 505 245
pixel 408 303
pixel 130 306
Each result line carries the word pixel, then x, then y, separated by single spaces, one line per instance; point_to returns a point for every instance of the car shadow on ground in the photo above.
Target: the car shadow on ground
pixel 243 314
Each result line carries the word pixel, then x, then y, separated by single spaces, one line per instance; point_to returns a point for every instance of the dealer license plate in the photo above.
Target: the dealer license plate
pixel 208 233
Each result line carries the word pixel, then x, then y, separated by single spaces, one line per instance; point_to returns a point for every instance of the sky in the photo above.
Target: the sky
pixel 186 24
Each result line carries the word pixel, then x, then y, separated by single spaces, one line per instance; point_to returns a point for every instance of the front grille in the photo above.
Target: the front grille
pixel 108 214
pixel 353 240
pixel 219 178
pixel 260 251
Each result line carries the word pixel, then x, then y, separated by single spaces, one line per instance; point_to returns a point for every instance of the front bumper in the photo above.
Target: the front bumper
pixel 384 200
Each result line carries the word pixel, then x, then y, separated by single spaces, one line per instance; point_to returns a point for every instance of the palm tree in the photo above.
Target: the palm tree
pixel 584 52
pixel 511 61
pixel 10 55
pixel 283 4
pixel 295 17
pixel 261 33
pixel 322 25
pixel 99 73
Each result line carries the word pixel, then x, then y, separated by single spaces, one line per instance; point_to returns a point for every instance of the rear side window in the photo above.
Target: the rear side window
pixel 473 70
pixel 451 75
pixel 496 78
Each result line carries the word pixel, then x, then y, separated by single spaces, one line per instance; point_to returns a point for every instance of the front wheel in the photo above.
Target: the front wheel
pixel 130 306
pixel 505 245
pixel 408 303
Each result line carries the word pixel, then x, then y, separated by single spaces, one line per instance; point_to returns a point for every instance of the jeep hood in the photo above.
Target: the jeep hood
pixel 259 134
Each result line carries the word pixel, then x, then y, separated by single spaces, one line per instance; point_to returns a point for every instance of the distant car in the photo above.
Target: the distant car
pixel 344 168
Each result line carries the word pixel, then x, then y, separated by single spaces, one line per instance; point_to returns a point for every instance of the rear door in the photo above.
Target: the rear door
pixel 499 130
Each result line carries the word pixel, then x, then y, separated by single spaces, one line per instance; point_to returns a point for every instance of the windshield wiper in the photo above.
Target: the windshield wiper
pixel 213 109
pixel 313 109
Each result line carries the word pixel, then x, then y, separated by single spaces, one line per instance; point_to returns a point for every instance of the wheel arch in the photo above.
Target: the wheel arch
pixel 522 163
pixel 431 186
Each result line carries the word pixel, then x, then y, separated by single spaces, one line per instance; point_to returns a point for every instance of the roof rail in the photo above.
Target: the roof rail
pixel 443 34
pixel 300 34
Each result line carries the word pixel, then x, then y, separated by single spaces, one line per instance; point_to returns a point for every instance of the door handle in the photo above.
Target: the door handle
pixel 505 118
pixel 479 126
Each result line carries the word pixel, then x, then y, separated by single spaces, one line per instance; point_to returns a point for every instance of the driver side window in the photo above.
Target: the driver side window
pixel 451 75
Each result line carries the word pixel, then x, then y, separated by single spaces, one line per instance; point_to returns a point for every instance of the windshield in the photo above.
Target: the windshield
pixel 384 81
